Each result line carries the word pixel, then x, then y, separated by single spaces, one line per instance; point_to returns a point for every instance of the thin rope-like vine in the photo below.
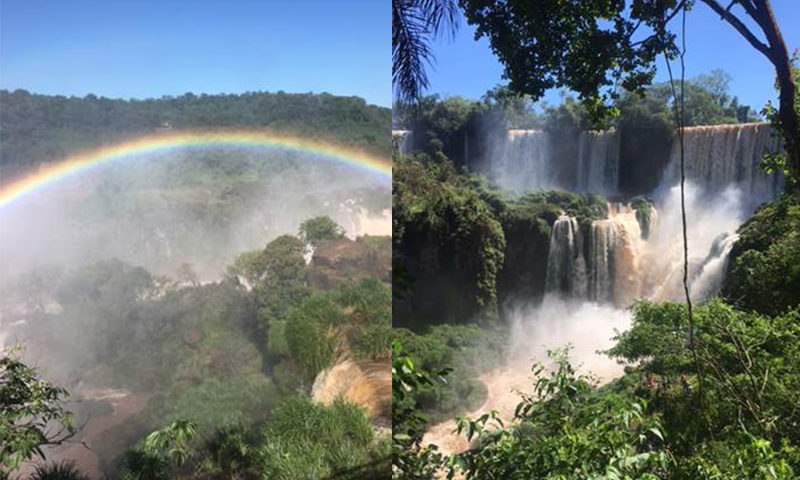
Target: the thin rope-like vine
pixel 679 111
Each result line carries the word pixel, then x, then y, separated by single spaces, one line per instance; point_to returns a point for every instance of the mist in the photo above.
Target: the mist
pixel 131 227
pixel 165 210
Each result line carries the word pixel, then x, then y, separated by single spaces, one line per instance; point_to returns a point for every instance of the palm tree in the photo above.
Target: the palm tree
pixel 57 471
pixel 415 23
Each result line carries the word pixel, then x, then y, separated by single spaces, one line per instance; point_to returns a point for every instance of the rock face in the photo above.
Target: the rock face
pixel 365 383
pixel 336 262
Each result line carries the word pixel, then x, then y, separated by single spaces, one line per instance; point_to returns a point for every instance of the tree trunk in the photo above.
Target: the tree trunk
pixel 787 114
pixel 776 52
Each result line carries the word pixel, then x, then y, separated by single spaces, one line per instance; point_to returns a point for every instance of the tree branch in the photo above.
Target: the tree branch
pixel 740 27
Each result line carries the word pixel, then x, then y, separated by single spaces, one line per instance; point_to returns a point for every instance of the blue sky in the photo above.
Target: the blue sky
pixel 468 68
pixel 150 48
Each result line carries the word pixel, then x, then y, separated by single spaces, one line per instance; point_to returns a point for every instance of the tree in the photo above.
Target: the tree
pixel 161 452
pixel 593 47
pixel 318 229
pixel 32 414
pixel 186 274
pixel 275 276
pixel 564 429
pixel 230 453
pixel 410 460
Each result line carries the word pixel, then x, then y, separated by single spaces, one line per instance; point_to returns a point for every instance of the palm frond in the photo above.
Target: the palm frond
pixel 415 24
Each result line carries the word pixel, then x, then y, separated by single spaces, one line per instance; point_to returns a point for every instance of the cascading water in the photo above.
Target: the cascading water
pixel 566 267
pixel 595 272
pixel 598 162
pixel 724 183
pixel 610 271
pixel 718 156
pixel 707 278
pixel 524 158
pixel 601 262
pixel 401 140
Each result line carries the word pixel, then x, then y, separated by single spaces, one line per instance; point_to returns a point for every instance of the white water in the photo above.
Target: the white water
pixel 721 156
pixel 587 328
pixel 523 161
pixel 401 140
pixel 590 286
pixel 717 157
pixel 598 162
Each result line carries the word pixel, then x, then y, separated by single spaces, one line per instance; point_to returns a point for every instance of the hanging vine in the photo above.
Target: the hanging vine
pixel 680 120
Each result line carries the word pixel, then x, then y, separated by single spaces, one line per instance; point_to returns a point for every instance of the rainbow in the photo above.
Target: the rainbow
pixel 167 141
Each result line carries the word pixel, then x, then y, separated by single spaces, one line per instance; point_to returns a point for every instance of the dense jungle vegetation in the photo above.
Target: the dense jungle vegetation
pixel 452 241
pixel 225 368
pixel 39 128
pixel 730 413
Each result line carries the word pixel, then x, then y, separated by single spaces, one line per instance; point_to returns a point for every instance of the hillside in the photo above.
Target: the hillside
pixel 40 128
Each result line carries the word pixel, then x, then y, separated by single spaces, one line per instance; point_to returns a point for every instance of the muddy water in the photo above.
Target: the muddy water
pixel 587 327
pixel 81 449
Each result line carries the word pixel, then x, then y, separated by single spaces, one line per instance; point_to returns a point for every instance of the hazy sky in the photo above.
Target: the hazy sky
pixel 464 67
pixel 150 48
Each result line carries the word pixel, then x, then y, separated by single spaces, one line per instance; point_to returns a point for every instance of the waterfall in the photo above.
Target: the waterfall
pixel 401 140
pixel 601 262
pixel 610 274
pixel 719 156
pixel 598 162
pixel 524 161
pixel 707 278
pixel 566 267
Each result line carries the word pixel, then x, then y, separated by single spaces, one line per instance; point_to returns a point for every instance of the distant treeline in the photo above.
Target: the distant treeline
pixel 39 128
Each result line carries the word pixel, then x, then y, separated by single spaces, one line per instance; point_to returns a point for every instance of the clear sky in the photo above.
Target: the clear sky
pixel 468 68
pixel 150 48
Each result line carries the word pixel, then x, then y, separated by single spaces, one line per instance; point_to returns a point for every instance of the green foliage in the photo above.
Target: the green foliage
pixel 564 429
pixel 435 206
pixel 215 402
pixel 738 455
pixel 585 207
pixel 231 452
pixel 39 128
pixel 764 271
pixel 306 440
pixel 469 349
pixel 172 441
pixel 318 229
pixel 137 464
pixel 565 44
pixel 410 460
pixel 300 439
pixel 32 414
pixel 319 330
pixel 57 471
pixel 644 211
pixel 161 453
pixel 276 276
pixel 747 382
pixel 778 162
pixel 312 334
pixel 373 342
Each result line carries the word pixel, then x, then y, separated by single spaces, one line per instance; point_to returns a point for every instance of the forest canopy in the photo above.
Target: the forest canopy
pixel 38 128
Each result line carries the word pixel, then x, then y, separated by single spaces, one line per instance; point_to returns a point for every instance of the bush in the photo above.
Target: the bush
pixel 764 264
pixel 57 471
pixel 318 229
pixel 304 439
